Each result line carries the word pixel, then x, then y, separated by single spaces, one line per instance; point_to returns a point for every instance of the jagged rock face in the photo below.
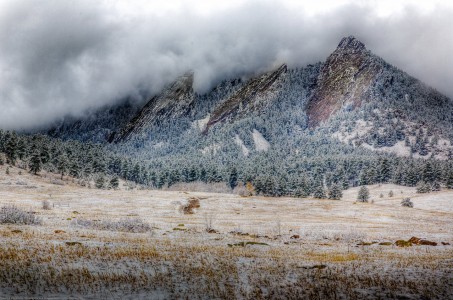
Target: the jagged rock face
pixel 250 97
pixel 344 80
pixel 176 100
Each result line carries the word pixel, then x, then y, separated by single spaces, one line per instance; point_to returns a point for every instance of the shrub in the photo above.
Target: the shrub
pixel 391 194
pixel 100 182
pixel 191 204
pixel 46 205
pixel 10 214
pixel 363 195
pixel 423 187
pixel 435 187
pixel 407 202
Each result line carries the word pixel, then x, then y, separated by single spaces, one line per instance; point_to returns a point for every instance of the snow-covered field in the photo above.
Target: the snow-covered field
pixel 257 247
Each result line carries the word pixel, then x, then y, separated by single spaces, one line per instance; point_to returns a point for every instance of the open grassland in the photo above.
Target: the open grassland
pixel 100 243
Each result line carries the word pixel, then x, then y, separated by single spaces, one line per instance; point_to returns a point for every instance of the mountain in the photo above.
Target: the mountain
pixel 354 95
pixel 176 100
pixel 345 80
pixel 353 119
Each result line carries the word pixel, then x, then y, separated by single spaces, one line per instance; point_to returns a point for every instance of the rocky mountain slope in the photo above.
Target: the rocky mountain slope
pixel 344 82
pixel 354 97
pixel 175 101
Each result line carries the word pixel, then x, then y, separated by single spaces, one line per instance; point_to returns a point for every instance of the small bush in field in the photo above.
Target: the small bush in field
pixel 46 205
pixel 11 214
pixel 407 202
pixel 191 204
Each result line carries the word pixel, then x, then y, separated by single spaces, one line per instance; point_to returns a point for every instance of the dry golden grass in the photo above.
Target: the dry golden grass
pixel 335 256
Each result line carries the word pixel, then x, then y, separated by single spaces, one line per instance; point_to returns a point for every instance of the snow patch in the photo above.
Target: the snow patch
pixel 201 123
pixel 211 149
pixel 238 141
pixel 399 149
pixel 261 144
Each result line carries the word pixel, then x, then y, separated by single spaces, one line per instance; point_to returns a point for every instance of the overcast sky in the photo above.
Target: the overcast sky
pixel 64 57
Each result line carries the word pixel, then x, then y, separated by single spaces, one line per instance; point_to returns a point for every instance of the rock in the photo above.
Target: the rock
pixel 296 236
pixel 427 243
pixel 418 241
pixel 403 243
pixel 385 243
pixel 445 243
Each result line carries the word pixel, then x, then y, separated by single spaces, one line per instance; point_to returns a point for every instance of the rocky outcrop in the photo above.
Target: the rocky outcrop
pixel 253 95
pixel 344 80
pixel 176 100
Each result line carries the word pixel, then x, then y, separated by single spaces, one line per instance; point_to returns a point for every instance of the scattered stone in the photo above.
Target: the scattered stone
pixel 385 243
pixel 73 243
pixel 418 241
pixel 366 243
pixel 243 244
pixel 403 243
pixel 296 236
pixel 179 229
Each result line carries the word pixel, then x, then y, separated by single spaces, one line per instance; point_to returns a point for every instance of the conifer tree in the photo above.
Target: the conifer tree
pixel 233 179
pixel 100 182
pixel 35 162
pixel 335 192
pixel 319 192
pixel 449 181
pixel 11 148
pixel 363 195
pixel 114 182
pixel 63 163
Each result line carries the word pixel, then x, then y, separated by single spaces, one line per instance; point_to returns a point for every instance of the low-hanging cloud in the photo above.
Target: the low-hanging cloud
pixel 62 58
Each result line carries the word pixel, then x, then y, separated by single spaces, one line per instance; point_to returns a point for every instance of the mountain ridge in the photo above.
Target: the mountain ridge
pixel 352 87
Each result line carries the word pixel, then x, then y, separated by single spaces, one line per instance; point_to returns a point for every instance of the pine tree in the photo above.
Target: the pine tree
pixel 11 148
pixel 21 149
pixel 114 183
pixel 319 192
pixel 35 162
pixel 63 163
pixel 363 195
pixel 233 179
pixel 74 169
pixel 384 170
pixel 449 179
pixel 335 192
pixel 100 182
pixel 428 173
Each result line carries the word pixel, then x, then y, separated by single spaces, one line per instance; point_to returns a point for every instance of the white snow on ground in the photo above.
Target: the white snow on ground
pixel 201 123
pixel 435 201
pixel 211 149
pixel 238 141
pixel 399 149
pixel 261 144
pixel 363 128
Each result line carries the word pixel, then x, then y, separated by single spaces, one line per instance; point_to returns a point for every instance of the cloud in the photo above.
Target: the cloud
pixel 66 57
